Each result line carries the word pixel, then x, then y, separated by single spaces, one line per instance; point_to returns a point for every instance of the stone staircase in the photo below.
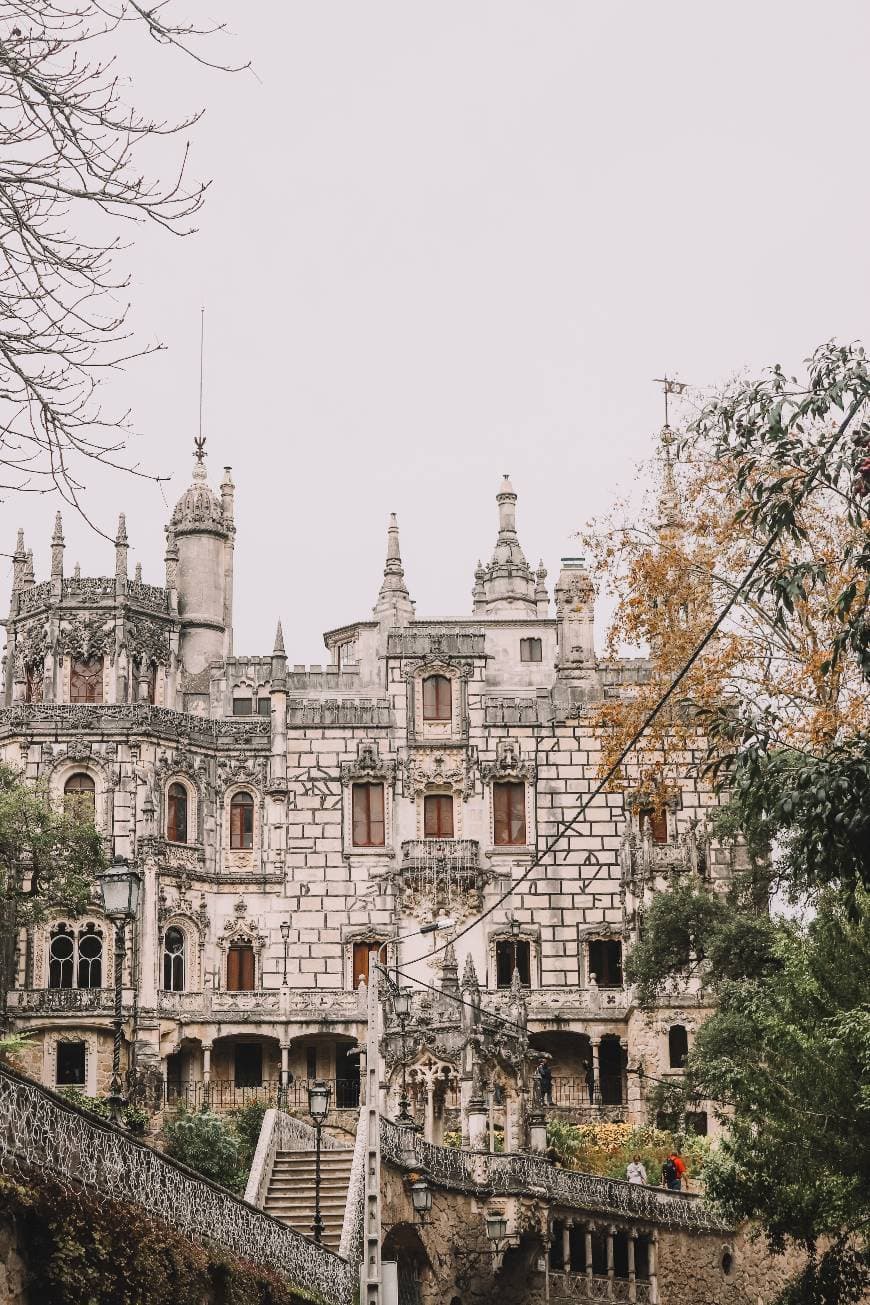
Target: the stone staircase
pixel 290 1195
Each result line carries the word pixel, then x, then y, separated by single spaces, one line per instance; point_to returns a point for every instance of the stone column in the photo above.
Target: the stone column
pixel 285 1073
pixel 632 1274
pixel 654 1268
pixel 595 1051
pixel 611 1270
pixel 478 1122
pixel 566 1246
pixel 587 1250
pixel 206 1063
pixel 429 1127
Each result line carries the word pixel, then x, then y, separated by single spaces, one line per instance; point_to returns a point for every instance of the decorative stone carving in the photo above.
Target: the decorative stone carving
pixel 368 766
pixel 241 770
pixel 31 645
pixel 147 641
pixel 509 764
pixel 441 768
pixel 86 638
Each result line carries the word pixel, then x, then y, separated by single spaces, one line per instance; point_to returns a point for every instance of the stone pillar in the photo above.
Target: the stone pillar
pixel 478 1120
pixel 632 1272
pixel 206 1063
pixel 566 1246
pixel 429 1125
pixel 538 1132
pixel 587 1251
pixel 611 1270
pixel 654 1268
pixel 285 1070
pixel 595 1051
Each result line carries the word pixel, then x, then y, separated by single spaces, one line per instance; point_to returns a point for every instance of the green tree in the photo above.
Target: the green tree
pixel 786 1056
pixel 203 1142
pixel 49 856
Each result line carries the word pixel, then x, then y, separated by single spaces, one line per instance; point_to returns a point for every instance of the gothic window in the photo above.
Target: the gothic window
pixel 86 680
pixel 509 813
pixel 368 815
pixel 243 706
pixel 362 960
pixel 240 968
pixel 437 698
pixel 173 960
pixel 438 815
pixel 61 948
pixel 605 962
pixel 176 813
pixel 33 683
pixel 513 954
pixel 654 821
pixel 678 1046
pixel 90 958
pixel 264 706
pixel 530 650
pixel 80 796
pixel 241 821
pixel 70 1065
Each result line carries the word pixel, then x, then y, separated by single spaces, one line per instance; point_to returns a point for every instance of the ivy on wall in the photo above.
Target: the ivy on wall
pixel 82 1251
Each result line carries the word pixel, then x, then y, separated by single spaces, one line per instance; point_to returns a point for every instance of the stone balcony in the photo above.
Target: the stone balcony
pixel 67 1001
pixel 643 858
pixel 272 1004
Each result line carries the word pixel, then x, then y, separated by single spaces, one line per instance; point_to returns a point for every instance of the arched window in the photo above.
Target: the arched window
pixel 80 795
pixel 678 1046
pixel 240 968
pixel 437 698
pixel 90 958
pixel 33 683
pixel 173 960
pixel 176 813
pixel 241 821
pixel 86 680
pixel 60 958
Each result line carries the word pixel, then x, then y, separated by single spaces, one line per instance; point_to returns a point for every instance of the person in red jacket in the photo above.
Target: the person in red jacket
pixel 673 1171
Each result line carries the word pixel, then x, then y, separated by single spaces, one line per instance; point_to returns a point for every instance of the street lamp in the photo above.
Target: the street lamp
pixel 421 1196
pixel 496 1229
pixel 515 928
pixel 285 934
pixel 318 1108
pixel 402 1007
pixel 119 885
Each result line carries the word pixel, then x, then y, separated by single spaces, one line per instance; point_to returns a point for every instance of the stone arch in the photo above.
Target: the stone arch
pixel 404 1244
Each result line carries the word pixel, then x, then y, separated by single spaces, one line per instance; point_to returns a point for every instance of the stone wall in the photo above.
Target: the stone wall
pixel 13 1268
pixel 695 1270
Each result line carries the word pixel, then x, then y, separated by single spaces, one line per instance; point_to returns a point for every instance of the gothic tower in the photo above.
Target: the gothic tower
pixel 201 529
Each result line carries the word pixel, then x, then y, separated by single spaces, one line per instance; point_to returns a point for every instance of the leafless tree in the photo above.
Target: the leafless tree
pixel 72 175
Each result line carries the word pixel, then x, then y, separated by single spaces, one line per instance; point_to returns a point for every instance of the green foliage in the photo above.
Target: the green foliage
pixel 247 1122
pixel 135 1119
pixel 81 1251
pixel 841 1275
pixel 204 1142
pixel 606 1149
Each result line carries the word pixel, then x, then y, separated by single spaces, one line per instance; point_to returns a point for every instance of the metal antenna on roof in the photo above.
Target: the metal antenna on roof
pixel 199 442
pixel 669 386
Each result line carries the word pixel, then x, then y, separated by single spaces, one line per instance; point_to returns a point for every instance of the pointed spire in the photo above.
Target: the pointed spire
pixel 450 971
pixel 279 650
pixel 469 974
pixel 394 605
pixel 670 517
pixel 121 548
pixel 57 547
pixel 478 592
pixel 29 574
pixel 19 561
pixel 507 583
pixel 542 598
pixel 137 574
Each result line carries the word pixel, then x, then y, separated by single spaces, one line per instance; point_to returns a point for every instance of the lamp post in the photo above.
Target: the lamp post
pixel 285 934
pixel 119 885
pixel 515 928
pixel 421 1195
pixel 318 1108
pixel 496 1230
pixel 402 1007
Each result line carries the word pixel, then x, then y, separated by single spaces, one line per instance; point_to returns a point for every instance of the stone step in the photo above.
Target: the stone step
pixel 290 1197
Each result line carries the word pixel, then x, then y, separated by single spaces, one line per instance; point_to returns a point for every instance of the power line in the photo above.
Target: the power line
pixel 668 693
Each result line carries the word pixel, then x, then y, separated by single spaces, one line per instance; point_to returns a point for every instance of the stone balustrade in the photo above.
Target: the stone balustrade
pixel 52 718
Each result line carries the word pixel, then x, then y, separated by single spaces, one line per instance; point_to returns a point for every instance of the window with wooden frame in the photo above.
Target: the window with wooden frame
pixel 509 813
pixel 654 821
pixel 80 796
pixel 176 813
pixel 362 960
pixel 240 968
pixel 86 679
pixel 438 815
pixel 437 698
pixel 241 821
pixel 605 962
pixel 531 650
pixel 513 954
pixel 33 683
pixel 367 801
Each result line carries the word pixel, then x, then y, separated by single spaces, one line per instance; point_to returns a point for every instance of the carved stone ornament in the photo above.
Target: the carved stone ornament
pixel 368 766
pixel 31 645
pixel 84 639
pixel 574 592
pixel 452 667
pixel 147 641
pixel 441 768
pixel 509 764
pixel 241 770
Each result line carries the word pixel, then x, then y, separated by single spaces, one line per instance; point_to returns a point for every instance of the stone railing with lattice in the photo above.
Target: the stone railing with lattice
pixel 41 1131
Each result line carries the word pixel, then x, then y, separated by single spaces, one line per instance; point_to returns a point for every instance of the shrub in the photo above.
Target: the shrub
pixel 247 1122
pixel 205 1143
pixel 606 1149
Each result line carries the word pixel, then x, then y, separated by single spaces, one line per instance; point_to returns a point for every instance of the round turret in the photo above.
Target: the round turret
pixel 202 529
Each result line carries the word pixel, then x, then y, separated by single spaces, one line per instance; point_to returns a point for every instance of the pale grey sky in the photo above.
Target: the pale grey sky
pixel 447 241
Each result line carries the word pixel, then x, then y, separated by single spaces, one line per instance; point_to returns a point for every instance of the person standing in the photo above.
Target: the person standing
pixel 635 1171
pixel 545 1083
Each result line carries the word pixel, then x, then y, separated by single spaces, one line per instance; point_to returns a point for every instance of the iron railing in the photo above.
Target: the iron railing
pixel 225 1094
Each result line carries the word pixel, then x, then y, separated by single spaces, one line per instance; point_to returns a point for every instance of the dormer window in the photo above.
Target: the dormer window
pixel 531 650
pixel 437 698
pixel 438 815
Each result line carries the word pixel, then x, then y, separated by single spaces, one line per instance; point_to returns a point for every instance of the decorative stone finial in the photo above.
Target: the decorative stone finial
pixel 450 971
pixel 29 574
pixel 278 650
pixel 121 547
pixel 57 547
pixel 19 561
pixel 394 605
pixel 137 574
pixel 506 585
pixel 670 517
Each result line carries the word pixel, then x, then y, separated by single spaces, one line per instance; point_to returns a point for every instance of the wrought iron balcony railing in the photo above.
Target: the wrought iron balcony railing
pixel 441 866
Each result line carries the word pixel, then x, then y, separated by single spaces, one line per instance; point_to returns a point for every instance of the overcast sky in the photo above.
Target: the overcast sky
pixel 448 241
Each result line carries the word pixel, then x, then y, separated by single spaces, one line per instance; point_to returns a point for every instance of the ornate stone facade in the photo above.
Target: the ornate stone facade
pixel 289 821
